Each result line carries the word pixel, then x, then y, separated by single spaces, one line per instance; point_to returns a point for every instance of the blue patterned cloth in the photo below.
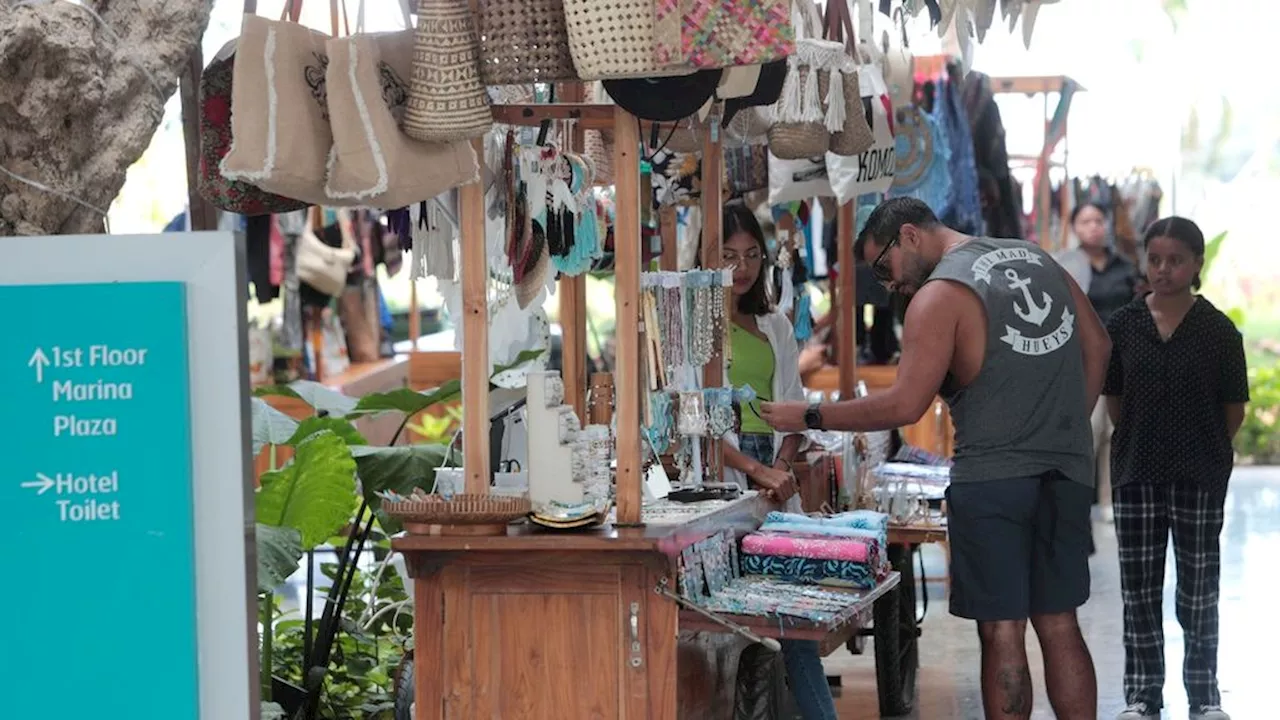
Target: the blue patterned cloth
pixel 842 573
pixel 865 519
pixel 928 178
pixel 964 212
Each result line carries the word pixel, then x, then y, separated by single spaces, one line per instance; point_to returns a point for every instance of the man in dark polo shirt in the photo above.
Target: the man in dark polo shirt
pixel 1010 341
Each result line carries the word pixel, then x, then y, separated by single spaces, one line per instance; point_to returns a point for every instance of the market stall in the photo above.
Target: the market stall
pixel 521 145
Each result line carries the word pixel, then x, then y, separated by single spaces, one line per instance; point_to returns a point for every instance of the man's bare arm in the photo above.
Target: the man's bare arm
pixel 928 342
pixel 1095 343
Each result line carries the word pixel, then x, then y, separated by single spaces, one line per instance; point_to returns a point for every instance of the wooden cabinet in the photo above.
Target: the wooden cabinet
pixel 539 635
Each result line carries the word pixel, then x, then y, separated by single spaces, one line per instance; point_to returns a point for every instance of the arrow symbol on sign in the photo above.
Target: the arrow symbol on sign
pixel 39 361
pixel 44 482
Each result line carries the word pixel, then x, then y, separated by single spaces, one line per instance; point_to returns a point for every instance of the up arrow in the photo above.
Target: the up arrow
pixel 39 361
pixel 42 481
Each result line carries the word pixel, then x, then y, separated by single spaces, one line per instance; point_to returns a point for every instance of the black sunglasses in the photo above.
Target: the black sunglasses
pixel 879 267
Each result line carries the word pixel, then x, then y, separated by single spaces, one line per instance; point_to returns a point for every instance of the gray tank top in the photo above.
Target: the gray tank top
pixel 1025 413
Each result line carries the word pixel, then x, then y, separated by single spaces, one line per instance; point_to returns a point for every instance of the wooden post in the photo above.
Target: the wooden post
pixel 712 229
pixel 626 165
pixel 847 347
pixel 202 215
pixel 475 337
pixel 713 259
pixel 415 314
pixel 668 227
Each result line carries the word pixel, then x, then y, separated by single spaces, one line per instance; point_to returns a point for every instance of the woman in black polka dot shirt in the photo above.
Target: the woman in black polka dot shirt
pixel 1176 390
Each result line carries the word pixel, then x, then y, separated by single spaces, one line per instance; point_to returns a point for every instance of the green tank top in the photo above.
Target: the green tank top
pixel 753 365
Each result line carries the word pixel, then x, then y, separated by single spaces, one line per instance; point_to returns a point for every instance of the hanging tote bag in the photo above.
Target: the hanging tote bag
pixel 855 136
pixel 322 266
pixel 447 101
pixel 215 141
pixel 870 171
pixel 728 33
pixel 618 39
pixel 280 136
pixel 523 42
pixel 372 163
pixel 810 108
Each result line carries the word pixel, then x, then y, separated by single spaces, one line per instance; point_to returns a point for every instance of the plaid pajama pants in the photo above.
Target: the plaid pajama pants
pixel 1145 516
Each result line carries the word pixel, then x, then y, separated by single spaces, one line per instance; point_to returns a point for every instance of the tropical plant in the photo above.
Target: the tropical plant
pixel 328 493
pixel 1259 437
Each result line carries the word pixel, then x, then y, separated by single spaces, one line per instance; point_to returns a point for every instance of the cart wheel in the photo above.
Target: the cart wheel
pixel 897 653
pixel 762 692
pixel 404 688
pixel 857 644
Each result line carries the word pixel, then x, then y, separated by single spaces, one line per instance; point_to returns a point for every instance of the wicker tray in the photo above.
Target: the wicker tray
pixel 461 514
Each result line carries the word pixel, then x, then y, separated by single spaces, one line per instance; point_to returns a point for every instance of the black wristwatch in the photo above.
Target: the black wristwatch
pixel 813 417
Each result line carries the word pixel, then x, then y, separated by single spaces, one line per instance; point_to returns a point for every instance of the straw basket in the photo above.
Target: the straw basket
pixel 524 41
pixel 458 515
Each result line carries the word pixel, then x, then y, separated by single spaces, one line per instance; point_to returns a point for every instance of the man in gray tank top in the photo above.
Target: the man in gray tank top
pixel 1009 340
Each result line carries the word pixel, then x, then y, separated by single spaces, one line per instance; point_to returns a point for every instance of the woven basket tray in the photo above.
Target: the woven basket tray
pixel 459 510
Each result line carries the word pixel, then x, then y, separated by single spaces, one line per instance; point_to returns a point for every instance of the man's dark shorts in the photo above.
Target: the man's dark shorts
pixel 1019 547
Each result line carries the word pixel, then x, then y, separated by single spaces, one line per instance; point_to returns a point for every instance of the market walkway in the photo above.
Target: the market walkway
pixel 1249 627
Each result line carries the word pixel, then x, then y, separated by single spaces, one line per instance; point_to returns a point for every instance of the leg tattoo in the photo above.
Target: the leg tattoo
pixel 1015 682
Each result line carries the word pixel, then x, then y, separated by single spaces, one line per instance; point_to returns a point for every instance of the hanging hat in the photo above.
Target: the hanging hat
pixel 664 99
pixel 767 91
pixel 536 266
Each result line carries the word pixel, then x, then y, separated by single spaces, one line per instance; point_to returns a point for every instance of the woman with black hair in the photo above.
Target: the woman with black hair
pixel 1110 282
pixel 766 357
pixel 1176 390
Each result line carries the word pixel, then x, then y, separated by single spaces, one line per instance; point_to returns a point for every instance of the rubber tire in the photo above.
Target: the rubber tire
pixel 896 648
pixel 404 689
pixel 761 688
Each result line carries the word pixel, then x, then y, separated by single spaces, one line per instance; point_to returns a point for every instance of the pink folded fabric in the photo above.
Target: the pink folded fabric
pixel 826 549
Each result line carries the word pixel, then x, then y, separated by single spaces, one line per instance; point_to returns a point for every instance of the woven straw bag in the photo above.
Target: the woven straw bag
pixel 523 41
pixel 615 39
pixel 598 149
pixel 855 137
pixel 446 98
pixel 811 108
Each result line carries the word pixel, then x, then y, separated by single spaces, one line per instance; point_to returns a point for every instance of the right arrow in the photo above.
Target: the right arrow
pixel 39 361
pixel 44 482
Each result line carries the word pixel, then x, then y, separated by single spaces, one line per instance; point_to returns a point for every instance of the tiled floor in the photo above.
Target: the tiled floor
pixel 1249 656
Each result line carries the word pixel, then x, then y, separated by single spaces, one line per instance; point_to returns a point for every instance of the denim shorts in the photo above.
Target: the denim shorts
pixel 758 447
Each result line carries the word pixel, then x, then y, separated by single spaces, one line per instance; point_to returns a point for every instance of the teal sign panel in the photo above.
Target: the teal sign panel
pixel 95 417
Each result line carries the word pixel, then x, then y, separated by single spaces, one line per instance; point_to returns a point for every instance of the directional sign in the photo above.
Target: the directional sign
pixel 98 479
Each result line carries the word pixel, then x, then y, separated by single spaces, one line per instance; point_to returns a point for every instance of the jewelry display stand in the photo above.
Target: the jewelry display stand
pixel 553 429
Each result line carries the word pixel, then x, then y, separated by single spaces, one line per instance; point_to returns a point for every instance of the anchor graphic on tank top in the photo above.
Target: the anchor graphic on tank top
pixel 1026 308
pixel 1034 314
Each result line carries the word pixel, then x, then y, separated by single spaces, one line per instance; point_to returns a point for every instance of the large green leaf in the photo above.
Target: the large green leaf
pixel 400 468
pixel 276 391
pixel 315 493
pixel 404 400
pixel 279 552
pixel 271 711
pixel 522 357
pixel 336 425
pixel 1211 249
pixel 323 398
pixel 270 426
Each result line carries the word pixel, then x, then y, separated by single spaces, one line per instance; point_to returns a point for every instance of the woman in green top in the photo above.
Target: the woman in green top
pixel 766 356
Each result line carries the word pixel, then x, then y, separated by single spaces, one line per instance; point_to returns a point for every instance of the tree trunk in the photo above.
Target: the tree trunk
pixel 80 101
